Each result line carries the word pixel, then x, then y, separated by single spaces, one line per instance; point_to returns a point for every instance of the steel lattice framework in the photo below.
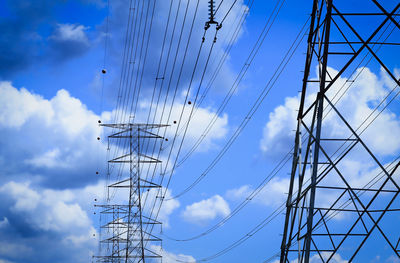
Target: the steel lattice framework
pixel 125 236
pixel 321 187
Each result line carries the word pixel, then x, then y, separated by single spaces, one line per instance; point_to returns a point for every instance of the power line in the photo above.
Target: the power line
pixel 251 112
pixel 281 208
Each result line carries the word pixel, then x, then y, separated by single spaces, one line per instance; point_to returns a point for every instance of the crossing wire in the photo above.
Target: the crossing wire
pixel 118 146
pixel 162 197
pixel 145 57
pixel 224 149
pixel 126 74
pixel 272 174
pixel 220 64
pixel 190 84
pixel 179 76
pixel 281 208
pixel 124 68
pixel 251 112
pixel 194 103
pixel 188 92
pixel 274 171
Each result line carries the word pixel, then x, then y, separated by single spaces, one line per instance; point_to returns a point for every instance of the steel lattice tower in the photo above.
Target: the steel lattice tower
pixel 340 34
pixel 125 238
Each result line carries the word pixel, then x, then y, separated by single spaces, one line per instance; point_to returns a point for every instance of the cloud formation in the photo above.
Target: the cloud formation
pixel 59 138
pixel 356 104
pixel 45 224
pixel 206 210
pixel 272 195
pixel 358 167
pixel 25 42
pixel 49 182
pixel 69 40
pixel 169 257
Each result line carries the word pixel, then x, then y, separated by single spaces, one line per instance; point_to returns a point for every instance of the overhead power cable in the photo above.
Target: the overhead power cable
pixel 238 79
pixel 251 112
pixel 239 207
pixel 272 174
pixel 163 194
pixel 235 135
pixel 188 92
pixel 281 208
pixel 367 186
pixel 181 69
pixel 219 66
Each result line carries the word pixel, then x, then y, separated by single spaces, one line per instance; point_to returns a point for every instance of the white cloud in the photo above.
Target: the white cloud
pixel 48 210
pixel 325 255
pixel 393 259
pixel 356 104
pixel 167 207
pixel 49 159
pixel 56 216
pixel 272 195
pixel 61 133
pixel 198 122
pixel 71 32
pixel 17 106
pixel 62 139
pixel 205 210
pixel 9 250
pixel 25 198
pixel 169 257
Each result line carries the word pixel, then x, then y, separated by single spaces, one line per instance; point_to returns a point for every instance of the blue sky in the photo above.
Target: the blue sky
pixel 52 94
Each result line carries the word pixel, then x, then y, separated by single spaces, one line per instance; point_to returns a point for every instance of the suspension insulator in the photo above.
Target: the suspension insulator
pixel 211 10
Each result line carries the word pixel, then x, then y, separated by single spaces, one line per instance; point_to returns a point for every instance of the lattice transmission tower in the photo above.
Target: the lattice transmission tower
pixel 330 216
pixel 126 236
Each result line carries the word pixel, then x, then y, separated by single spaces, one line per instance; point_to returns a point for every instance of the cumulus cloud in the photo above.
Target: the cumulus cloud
pixel 69 40
pixel 168 206
pixel 25 43
pixel 198 121
pixel 48 210
pixel 325 255
pixel 14 250
pixel 53 140
pixel 356 104
pixel 40 219
pixel 48 190
pixel 272 195
pixel 70 32
pixel 205 210
pixel 169 257
pixel 62 134
pixel 337 258
pixel 119 16
pixel 358 168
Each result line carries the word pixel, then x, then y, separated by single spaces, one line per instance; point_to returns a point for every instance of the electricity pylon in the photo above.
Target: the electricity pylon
pixel 328 214
pixel 125 238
